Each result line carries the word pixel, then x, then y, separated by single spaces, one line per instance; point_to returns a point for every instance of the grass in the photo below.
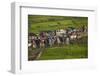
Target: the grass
pixel 45 23
pixel 65 52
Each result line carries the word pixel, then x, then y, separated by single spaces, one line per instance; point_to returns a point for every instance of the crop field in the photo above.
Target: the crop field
pixel 43 23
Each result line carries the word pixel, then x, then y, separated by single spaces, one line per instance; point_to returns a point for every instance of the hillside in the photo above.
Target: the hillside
pixel 39 23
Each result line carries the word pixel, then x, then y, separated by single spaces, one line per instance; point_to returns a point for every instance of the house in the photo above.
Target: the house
pixel 60 32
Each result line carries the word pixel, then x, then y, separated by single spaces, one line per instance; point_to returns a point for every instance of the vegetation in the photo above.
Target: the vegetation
pixel 43 23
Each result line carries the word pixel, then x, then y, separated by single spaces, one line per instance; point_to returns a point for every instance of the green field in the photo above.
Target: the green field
pixel 65 52
pixel 45 23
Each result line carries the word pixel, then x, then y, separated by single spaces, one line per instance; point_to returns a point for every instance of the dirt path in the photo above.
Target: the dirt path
pixel 36 54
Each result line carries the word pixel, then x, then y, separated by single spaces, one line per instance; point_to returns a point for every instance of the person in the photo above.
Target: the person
pixel 42 44
pixel 61 39
pixel 58 40
pixel 67 40
pixel 37 41
pixel 29 43
pixel 50 40
pixel 46 42
pixel 83 28
pixel 33 43
pixel 64 38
